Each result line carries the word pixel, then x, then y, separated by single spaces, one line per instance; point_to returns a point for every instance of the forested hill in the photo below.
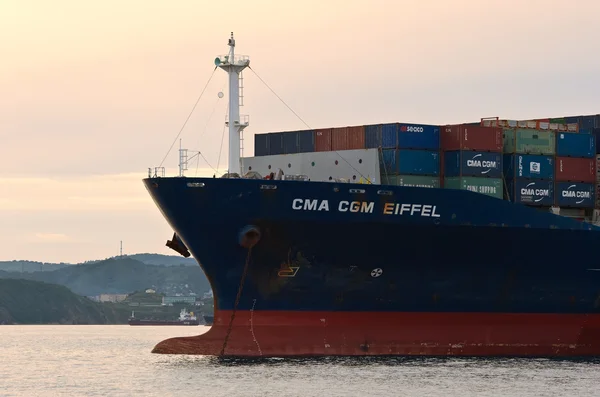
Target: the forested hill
pixel 122 275
pixel 33 302
pixel 148 259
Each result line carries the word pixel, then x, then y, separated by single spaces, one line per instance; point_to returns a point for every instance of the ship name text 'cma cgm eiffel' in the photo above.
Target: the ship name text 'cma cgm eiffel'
pixel 368 207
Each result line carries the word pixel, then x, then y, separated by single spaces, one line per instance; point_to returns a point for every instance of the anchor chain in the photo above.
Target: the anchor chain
pixel 237 301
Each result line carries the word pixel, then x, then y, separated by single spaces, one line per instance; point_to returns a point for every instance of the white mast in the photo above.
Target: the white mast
pixel 234 65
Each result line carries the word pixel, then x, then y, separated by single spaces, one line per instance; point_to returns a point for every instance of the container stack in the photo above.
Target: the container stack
pixel 585 124
pixel 541 162
pixel 340 138
pixel 472 159
pixel 529 166
pixel 385 137
pixel 276 143
pixel 575 169
pixel 418 155
pixel 290 142
pixel 298 142
pixel 563 124
pixel 529 179
pixel 410 153
pixel 261 145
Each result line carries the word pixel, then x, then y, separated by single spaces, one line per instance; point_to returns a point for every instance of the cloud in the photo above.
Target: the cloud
pixel 95 193
pixel 52 238
pixel 77 236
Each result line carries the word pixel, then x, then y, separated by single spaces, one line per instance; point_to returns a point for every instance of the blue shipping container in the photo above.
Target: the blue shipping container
pixel 306 141
pixel 275 143
pixel 373 136
pixel 290 142
pixel 526 191
pixel 597 135
pixel 570 194
pixel 469 163
pixel 418 136
pixel 389 136
pixel 597 121
pixel 418 162
pixel 261 145
pixel 388 161
pixel 586 122
pixel 529 166
pixel 569 144
pixel 571 120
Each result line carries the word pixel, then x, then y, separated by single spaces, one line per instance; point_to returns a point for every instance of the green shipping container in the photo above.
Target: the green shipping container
pixel 415 181
pixel 529 141
pixel 560 120
pixel 411 180
pixel 489 186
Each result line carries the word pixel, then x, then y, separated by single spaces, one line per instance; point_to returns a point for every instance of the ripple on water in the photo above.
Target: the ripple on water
pixel 116 361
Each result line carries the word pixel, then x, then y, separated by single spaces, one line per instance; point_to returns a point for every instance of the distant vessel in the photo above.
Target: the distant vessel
pixel 185 318
pixel 308 264
pixel 208 319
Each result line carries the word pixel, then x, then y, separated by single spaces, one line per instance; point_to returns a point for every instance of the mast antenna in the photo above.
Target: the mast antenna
pixel 233 65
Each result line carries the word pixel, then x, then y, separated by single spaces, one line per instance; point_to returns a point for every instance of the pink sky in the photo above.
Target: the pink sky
pixel 93 95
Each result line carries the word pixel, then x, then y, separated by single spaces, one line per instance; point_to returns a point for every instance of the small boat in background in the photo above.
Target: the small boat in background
pixel 185 318
pixel 208 319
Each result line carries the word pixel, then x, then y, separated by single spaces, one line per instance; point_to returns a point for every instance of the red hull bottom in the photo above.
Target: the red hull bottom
pixel 153 324
pixel 280 334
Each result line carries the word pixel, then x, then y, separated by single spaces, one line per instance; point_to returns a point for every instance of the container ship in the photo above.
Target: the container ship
pixel 476 239
pixel 185 318
pixel 208 319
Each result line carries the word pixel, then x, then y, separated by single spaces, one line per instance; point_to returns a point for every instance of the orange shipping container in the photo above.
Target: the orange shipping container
pixel 339 138
pixel 356 137
pixel 323 140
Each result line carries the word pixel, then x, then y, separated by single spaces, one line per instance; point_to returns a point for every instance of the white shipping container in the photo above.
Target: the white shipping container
pixel 320 166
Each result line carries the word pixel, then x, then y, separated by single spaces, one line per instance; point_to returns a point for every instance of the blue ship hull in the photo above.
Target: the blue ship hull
pixel 350 251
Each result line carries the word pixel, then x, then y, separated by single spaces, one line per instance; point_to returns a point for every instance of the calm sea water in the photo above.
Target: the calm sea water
pixel 116 361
